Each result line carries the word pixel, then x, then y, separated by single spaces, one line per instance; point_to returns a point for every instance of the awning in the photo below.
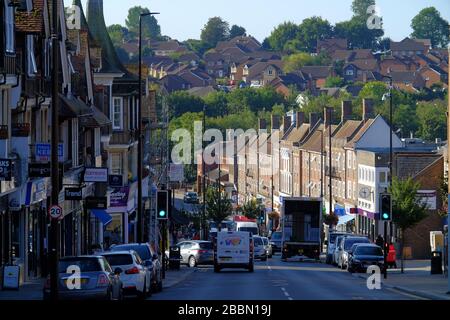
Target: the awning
pixel 72 107
pixel 346 219
pixel 104 217
pixel 97 120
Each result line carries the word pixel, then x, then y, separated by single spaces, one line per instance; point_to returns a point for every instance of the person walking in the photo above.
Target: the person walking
pixel 380 241
pixel 392 257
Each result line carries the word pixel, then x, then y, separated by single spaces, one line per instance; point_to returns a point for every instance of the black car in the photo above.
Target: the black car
pixel 363 256
pixel 191 197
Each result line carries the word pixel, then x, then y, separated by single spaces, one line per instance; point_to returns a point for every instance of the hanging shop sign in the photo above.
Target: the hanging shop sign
pixel 115 180
pixel 44 152
pixel 5 170
pixel 96 203
pixel 73 194
pixel 39 170
pixel 96 175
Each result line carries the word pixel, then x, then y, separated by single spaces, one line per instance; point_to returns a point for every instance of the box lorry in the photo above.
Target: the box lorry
pixel 233 249
pixel 301 227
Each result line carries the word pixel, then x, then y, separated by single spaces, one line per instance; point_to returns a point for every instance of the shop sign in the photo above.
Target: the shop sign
pixel 73 194
pixel 5 170
pixel 96 203
pixel 119 197
pixel 96 175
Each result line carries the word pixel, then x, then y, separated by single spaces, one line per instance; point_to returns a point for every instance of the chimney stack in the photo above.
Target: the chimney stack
pixel 275 122
pixel 287 121
pixel 299 119
pixel 262 124
pixel 367 109
pixel 328 115
pixel 346 110
pixel 313 120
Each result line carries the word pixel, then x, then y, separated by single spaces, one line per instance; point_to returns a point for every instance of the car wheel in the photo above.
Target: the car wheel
pixel 191 262
pixel 160 286
pixel 216 269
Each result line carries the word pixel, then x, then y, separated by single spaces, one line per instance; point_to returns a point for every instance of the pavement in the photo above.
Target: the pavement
pixel 28 291
pixel 174 277
pixel 417 280
pixel 277 280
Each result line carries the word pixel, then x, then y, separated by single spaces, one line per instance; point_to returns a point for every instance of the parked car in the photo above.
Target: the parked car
pixel 365 255
pixel 331 245
pixel 191 197
pixel 346 245
pixel 97 280
pixel 196 252
pixel 136 277
pixel 259 248
pixel 268 247
pixel 150 258
pixel 275 241
pixel 337 249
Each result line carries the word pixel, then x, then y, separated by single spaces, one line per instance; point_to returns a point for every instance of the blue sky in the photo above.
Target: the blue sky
pixel 183 19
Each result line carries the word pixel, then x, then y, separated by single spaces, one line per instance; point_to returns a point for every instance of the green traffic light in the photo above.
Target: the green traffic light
pixel 385 216
pixel 162 213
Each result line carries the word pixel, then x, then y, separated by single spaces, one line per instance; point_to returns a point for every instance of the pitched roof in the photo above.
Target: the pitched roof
pixel 351 144
pixel 404 76
pixel 298 134
pixel 408 44
pixel 171 45
pixel 348 129
pixel 317 72
pixel 350 55
pixel 332 42
pixel 33 21
pixel 247 43
pixel 364 64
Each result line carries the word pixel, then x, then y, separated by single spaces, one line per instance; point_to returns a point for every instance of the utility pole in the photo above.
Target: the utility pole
pixel 448 157
pixel 329 115
pixel 140 214
pixel 203 223
pixel 54 225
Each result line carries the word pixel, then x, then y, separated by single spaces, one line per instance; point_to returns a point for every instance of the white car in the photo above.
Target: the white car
pixel 136 276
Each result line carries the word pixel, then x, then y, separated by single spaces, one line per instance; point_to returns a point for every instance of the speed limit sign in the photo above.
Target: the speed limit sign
pixel 55 212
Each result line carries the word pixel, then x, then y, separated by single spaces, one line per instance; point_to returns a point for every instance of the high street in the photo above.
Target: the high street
pixel 276 280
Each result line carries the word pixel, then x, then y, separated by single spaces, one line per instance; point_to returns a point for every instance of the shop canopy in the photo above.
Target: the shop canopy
pixel 102 215
pixel 346 219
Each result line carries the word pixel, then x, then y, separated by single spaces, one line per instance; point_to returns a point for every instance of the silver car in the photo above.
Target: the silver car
pixel 268 247
pixel 346 245
pixel 196 252
pixel 96 279
pixel 259 248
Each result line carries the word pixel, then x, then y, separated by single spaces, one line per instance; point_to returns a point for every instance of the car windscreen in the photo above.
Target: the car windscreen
pixel 350 242
pixel 368 251
pixel 258 241
pixel 85 265
pixel 119 259
pixel 142 250
pixel 206 245
pixel 276 236
pixel 265 241
pixel 249 229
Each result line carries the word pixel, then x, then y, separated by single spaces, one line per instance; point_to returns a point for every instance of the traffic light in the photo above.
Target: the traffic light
pixel 162 205
pixel 262 217
pixel 386 207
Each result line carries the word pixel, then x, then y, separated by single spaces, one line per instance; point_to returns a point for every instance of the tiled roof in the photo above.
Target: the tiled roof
pixel 348 129
pixel 33 21
pixel 298 134
pixel 360 133
pixel 408 44
pixel 317 72
pixel 365 64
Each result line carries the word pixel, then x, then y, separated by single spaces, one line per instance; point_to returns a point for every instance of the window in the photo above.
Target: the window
pixel 382 177
pixel 75 142
pixel 97 142
pixel 116 163
pixel 117 113
pixel 9 29
pixel 349 72
pixel 31 60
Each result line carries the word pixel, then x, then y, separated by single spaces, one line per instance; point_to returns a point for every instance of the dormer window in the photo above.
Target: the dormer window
pixel 9 29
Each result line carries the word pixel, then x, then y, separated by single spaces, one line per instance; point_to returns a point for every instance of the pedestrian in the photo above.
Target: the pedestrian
pixel 197 236
pixel 380 241
pixel 392 257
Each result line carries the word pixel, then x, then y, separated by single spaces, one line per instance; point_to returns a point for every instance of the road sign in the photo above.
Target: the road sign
pixel 55 212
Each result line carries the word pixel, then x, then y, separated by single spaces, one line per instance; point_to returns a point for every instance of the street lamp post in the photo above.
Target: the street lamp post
pixel 140 216
pixel 54 225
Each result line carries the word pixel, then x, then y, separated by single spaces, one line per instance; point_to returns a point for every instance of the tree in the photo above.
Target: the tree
pixel 198 46
pixel 333 82
pixel 359 7
pixel 251 209
pixel 150 26
pixel 311 30
pixel 281 35
pixel 237 31
pixel 407 210
pixel 432 119
pixel 215 30
pixel 181 102
pixel 295 61
pixel 218 206
pixel 429 24
pixel 118 34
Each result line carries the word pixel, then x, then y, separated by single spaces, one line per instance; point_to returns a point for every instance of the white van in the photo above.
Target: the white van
pixel 233 249
pixel 246 226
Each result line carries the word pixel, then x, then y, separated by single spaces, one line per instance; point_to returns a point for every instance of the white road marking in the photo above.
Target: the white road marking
pixel 286 294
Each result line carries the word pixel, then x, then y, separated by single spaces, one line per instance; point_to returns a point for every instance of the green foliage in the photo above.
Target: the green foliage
pixel 251 209
pixel 181 102
pixel 118 34
pixel 357 33
pixel 198 46
pixel 359 7
pixel 150 26
pixel 243 120
pixel 218 206
pixel 429 24
pixel 215 30
pixel 333 82
pixel 432 120
pixel 407 210
pixel 311 30
pixel 281 35
pixel 295 61
pixel 237 31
